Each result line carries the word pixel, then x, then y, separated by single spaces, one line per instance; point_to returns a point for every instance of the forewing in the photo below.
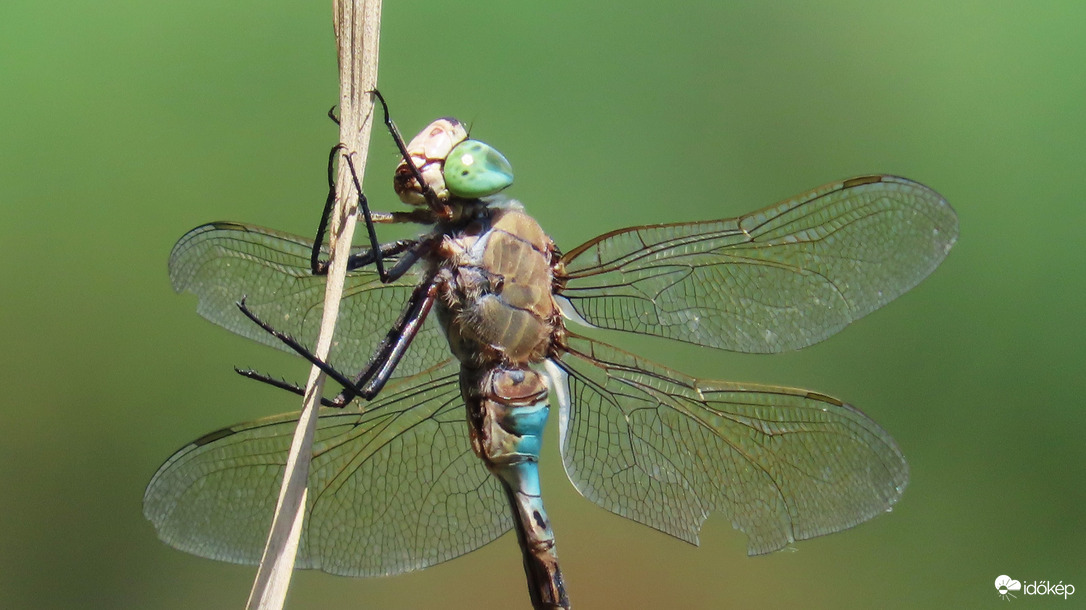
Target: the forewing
pixel 391 489
pixel 223 262
pixel 778 279
pixel 666 450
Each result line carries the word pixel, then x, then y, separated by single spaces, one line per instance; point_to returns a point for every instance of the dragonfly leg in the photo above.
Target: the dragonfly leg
pixel 377 252
pixel 281 384
pixel 293 344
pixel 427 193
pixel 316 265
pixel 393 347
pixel 369 382
pixel 367 258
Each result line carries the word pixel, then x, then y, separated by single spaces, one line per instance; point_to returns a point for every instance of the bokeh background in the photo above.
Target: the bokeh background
pixel 123 124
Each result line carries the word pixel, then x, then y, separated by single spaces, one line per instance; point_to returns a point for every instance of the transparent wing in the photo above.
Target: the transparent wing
pixel 391 489
pixel 666 450
pixel 778 279
pixel 222 262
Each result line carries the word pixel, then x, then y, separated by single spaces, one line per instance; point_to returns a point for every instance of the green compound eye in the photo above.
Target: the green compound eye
pixel 474 169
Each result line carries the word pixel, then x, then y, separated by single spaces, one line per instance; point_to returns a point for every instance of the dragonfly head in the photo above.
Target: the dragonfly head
pixel 452 165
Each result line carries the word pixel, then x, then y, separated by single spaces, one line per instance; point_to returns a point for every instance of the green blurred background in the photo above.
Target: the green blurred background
pixel 123 124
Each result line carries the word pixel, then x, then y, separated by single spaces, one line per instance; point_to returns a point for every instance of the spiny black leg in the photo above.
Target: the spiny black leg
pixel 316 265
pixel 408 260
pixel 319 267
pixel 392 348
pixel 377 252
pixel 355 261
pixel 281 384
pixel 427 193
pixel 293 344
pixel 363 259
pixel 396 137
pixel 375 246
pixel 369 382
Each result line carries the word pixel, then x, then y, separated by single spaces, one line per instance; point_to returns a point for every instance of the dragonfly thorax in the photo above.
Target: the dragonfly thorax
pixel 495 281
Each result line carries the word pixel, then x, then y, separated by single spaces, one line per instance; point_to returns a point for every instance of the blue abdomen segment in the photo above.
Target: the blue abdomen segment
pixel 520 466
pixel 507 412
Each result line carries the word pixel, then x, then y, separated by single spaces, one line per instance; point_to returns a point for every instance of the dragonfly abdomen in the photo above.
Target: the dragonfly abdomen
pixel 507 412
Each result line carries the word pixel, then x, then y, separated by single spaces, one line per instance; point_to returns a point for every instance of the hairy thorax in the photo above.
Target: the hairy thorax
pixel 495 283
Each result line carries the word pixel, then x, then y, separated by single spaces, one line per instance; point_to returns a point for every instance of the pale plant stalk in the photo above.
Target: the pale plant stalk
pixel 357 26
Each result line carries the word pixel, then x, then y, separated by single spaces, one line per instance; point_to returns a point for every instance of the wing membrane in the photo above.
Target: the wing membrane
pixel 777 279
pixel 222 262
pixel 666 450
pixel 393 488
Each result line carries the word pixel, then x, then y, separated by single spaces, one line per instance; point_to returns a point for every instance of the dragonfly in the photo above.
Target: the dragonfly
pixel 432 450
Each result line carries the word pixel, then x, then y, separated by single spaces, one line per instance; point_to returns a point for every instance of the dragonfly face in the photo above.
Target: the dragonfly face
pixel 451 165
pixel 642 440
